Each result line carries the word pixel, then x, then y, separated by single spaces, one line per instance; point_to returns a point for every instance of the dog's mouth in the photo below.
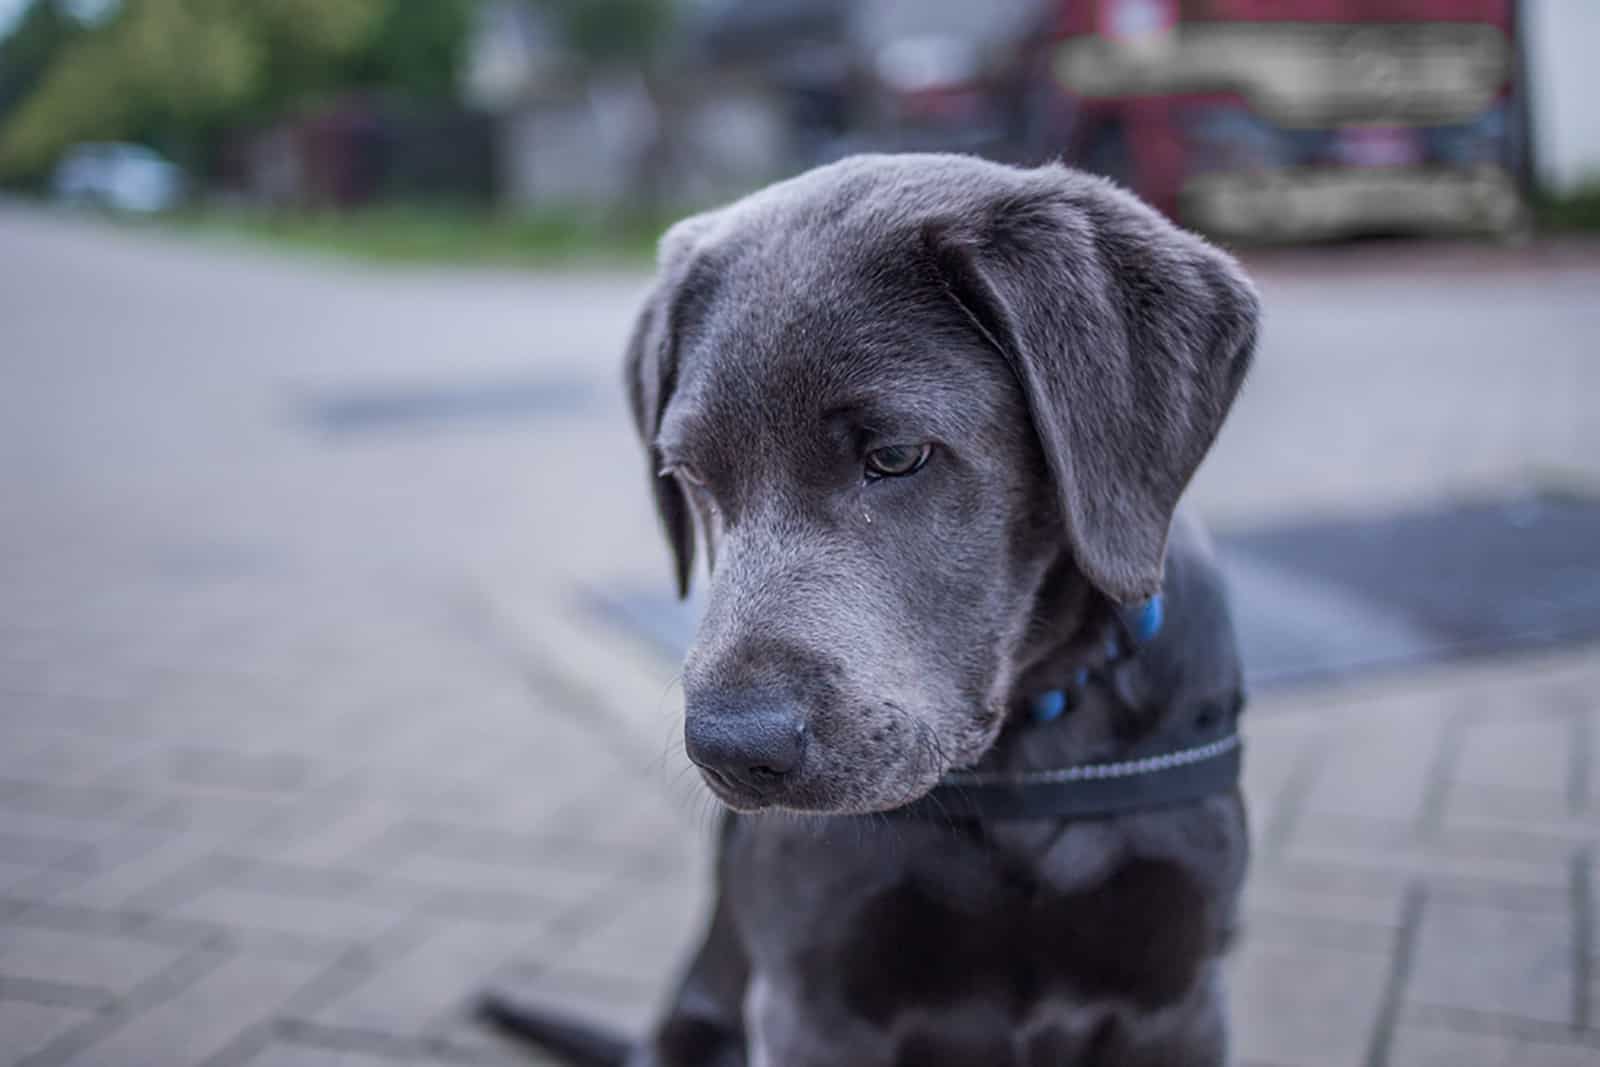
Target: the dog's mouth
pixel 741 796
pixel 812 795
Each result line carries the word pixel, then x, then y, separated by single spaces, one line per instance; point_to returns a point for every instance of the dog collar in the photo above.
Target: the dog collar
pixel 1161 779
pixel 1088 790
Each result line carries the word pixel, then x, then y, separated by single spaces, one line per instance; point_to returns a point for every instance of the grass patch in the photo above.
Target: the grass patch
pixel 1577 210
pixel 437 235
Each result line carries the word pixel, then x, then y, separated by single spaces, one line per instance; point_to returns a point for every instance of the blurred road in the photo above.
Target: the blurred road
pixel 302 735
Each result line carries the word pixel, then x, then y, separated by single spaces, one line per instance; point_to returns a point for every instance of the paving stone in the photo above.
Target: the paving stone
pixel 330 833
pixel 86 959
pixel 1589 784
pixel 1305 1007
pixel 1354 881
pixel 49 755
pixel 27 853
pixel 280 1054
pixel 203 1018
pixel 13 875
pixel 238 815
pixel 1532 753
pixel 27 1028
pixel 435 977
pixel 1273 757
pixel 1267 893
pixel 1371 833
pixel 644 938
pixel 138 863
pixel 1381 771
pixel 1589 877
pixel 540 889
pixel 317 919
pixel 1552 844
pixel 577 843
pixel 1417 1046
pixel 1316 932
pixel 1508 804
pixel 39 825
pixel 113 804
pixel 643 824
pixel 297 879
pixel 1438 864
pixel 1492 960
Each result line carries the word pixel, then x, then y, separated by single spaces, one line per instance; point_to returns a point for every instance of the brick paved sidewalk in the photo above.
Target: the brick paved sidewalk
pixel 302 739
pixel 1424 883
pixel 180 888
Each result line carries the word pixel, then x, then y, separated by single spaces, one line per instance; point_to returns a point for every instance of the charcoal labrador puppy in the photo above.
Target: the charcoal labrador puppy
pixel 929 419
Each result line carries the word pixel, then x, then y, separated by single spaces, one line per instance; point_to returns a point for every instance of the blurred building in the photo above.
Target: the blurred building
pixel 1559 40
pixel 748 91
pixel 1299 119
pixel 1252 119
pixel 361 149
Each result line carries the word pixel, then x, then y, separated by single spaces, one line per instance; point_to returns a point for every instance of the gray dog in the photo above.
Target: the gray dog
pixel 929 418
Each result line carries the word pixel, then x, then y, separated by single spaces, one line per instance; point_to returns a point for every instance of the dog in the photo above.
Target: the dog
pixel 929 419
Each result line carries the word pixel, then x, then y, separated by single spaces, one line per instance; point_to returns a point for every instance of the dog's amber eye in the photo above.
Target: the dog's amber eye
pixel 896 461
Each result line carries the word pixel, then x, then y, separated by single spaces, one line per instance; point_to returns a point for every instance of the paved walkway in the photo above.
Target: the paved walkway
pixel 303 736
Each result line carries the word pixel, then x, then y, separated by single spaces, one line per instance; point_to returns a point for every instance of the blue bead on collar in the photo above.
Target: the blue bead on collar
pixel 1143 627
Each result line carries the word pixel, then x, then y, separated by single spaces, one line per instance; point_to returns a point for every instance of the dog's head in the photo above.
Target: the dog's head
pixel 887 398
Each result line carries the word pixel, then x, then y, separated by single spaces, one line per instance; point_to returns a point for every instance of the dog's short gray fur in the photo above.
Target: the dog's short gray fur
pixel 1072 356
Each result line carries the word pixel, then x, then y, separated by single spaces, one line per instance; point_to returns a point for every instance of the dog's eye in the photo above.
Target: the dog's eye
pixel 896 461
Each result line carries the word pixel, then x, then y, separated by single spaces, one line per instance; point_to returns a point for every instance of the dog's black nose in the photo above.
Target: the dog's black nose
pixel 754 742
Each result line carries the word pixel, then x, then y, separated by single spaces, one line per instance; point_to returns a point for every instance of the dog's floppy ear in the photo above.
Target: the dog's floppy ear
pixel 1130 338
pixel 650 370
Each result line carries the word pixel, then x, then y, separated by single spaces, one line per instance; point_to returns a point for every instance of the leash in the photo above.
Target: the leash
pixel 1161 779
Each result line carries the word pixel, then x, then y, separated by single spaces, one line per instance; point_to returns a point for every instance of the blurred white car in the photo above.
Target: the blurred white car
pixel 126 177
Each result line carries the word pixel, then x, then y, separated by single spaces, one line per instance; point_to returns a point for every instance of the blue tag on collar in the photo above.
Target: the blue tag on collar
pixel 1048 706
pixel 1151 616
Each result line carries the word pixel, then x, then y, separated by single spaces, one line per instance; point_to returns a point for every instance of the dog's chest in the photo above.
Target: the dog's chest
pixel 928 949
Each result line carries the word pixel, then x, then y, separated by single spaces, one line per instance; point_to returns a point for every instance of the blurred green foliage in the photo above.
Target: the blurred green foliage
pixel 608 32
pixel 179 73
pixel 436 233
pixel 28 51
pixel 1577 209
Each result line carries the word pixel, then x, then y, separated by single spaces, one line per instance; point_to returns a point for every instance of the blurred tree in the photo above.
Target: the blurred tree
pixel 418 48
pixel 611 32
pixel 180 72
pixel 27 52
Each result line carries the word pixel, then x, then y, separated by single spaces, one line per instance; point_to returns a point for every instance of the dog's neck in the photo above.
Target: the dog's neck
pixel 1087 692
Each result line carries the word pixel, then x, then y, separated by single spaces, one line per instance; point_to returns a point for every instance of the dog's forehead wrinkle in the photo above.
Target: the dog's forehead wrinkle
pixel 791 403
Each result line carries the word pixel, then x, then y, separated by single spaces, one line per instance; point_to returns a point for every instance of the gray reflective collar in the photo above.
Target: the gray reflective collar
pixel 1088 790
